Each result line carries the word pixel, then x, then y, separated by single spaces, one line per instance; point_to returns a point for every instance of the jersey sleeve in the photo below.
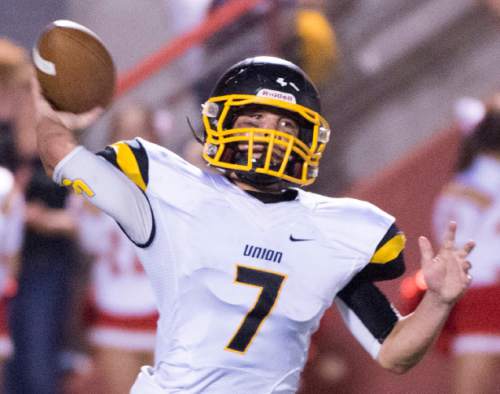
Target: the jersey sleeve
pixel 179 185
pixel 131 159
pixel 364 308
pixel 367 313
pixel 388 260
pixel 114 188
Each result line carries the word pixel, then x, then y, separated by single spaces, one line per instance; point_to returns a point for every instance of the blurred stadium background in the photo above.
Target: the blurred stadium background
pixel 395 71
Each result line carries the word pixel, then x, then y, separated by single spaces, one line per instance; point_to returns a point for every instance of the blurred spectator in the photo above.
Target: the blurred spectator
pixel 312 43
pixel 133 120
pixel 472 199
pixel 493 5
pixel 11 228
pixel 469 111
pixel 244 37
pixel 122 312
pixel 38 312
pixel 15 111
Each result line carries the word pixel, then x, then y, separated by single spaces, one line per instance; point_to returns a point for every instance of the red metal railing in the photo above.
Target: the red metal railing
pixel 219 19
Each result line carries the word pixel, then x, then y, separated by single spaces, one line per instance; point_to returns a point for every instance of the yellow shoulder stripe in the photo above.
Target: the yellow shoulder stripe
pixel 390 250
pixel 128 164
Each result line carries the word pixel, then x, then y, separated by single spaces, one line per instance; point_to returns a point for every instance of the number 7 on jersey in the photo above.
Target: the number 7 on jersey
pixel 270 284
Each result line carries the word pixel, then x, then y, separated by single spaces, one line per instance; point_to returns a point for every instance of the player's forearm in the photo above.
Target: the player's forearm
pixel 413 336
pixel 109 190
pixel 55 141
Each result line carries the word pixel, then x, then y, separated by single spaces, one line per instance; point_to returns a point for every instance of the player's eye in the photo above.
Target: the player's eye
pixel 289 126
pixel 248 119
pixel 255 115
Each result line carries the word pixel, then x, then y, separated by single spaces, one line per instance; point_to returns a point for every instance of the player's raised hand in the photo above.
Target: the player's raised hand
pixel 55 131
pixel 69 120
pixel 447 272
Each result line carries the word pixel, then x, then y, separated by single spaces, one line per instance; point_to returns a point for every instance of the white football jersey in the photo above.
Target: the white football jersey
pixel 241 285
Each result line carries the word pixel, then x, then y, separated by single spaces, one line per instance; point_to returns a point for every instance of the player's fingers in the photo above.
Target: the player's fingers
pixel 80 121
pixel 34 85
pixel 36 91
pixel 466 249
pixel 42 107
pixel 90 117
pixel 426 250
pixel 449 235
pixel 466 265
pixel 469 246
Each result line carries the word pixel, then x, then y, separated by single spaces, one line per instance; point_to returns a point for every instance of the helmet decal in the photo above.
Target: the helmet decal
pixel 275 94
pixel 282 82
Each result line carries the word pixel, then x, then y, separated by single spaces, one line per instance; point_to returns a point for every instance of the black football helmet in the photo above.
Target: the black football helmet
pixel 284 87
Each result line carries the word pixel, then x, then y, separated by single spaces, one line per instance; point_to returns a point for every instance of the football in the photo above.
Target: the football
pixel 75 70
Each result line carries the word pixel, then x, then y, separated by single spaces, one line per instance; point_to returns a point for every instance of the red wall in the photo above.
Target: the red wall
pixel 406 190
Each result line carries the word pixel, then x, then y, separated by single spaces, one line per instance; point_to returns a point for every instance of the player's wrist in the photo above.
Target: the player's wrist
pixel 438 301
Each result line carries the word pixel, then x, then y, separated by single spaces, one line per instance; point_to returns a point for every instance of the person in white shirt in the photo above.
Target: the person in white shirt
pixel 11 236
pixel 244 263
pixel 472 198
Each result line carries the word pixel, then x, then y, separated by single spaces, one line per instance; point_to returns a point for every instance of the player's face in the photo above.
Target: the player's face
pixel 267 119
pixel 263 118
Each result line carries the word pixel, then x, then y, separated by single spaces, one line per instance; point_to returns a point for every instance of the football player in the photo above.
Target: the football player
pixel 244 263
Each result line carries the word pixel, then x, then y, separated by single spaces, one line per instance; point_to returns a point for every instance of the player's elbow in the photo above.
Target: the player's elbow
pixel 395 365
pixel 398 369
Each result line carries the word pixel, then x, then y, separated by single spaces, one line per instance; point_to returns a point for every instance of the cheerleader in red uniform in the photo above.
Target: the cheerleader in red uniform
pixel 472 199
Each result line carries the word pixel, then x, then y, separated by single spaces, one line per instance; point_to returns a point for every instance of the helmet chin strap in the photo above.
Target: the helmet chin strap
pixel 260 181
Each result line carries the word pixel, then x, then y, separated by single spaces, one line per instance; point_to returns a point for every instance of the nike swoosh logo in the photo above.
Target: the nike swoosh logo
pixel 293 239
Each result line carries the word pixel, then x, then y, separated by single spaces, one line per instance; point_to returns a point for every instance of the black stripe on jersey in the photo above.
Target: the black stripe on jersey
pixel 153 229
pixel 138 154
pixel 391 269
pixel 142 158
pixel 371 306
pixel 110 155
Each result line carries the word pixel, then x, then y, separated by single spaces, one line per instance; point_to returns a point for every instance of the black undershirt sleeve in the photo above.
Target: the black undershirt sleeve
pixel 364 298
pixel 371 306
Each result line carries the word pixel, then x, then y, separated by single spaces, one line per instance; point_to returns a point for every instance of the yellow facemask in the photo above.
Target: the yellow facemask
pixel 284 156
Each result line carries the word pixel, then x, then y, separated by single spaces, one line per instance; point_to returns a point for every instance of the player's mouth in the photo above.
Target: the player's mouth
pixel 260 150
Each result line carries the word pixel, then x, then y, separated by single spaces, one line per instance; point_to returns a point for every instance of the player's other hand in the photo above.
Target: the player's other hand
pixel 447 272
pixel 69 120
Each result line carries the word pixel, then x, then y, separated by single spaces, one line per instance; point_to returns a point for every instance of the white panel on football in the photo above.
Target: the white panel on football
pixel 42 64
